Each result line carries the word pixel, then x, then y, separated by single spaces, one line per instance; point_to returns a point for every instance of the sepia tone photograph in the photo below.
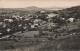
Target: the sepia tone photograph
pixel 39 25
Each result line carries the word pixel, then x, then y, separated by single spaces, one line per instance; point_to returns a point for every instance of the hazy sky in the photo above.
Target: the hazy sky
pixel 38 3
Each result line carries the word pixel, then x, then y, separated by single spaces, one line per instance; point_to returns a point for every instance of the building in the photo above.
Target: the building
pixel 51 15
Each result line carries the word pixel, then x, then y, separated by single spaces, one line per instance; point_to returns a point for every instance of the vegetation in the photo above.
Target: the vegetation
pixel 41 30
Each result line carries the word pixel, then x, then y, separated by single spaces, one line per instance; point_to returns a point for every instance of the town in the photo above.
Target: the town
pixel 41 26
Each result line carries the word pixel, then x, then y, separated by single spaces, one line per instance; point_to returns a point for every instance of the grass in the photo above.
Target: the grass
pixel 30 33
pixel 39 46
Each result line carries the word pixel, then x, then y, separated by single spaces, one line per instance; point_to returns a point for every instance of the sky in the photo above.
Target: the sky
pixel 38 3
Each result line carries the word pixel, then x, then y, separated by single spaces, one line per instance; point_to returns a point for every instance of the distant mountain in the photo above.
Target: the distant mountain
pixel 33 8
pixel 55 8
pixel 47 8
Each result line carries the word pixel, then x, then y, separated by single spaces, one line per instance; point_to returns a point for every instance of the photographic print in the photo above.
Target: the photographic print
pixel 39 25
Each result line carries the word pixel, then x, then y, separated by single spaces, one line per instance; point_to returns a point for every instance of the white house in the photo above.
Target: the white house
pixel 9 20
pixel 63 18
pixel 20 25
pixel 51 15
pixel 4 25
pixel 26 19
pixel 71 19
pixel 0 33
pixel 8 30
pixel 32 26
pixel 20 18
pixel 24 27
pixel 1 23
pixel 42 12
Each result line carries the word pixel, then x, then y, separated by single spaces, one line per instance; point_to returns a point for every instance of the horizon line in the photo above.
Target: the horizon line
pixel 43 7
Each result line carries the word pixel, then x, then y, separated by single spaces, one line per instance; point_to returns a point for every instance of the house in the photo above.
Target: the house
pixel 15 16
pixel 71 19
pixel 1 23
pixel 20 18
pixel 28 15
pixel 43 23
pixel 51 25
pixel 20 25
pixel 9 20
pixel 24 27
pixel 37 20
pixel 26 19
pixel 0 33
pixel 8 30
pixel 51 15
pixel 4 25
pixel 63 18
pixel 42 12
pixel 32 26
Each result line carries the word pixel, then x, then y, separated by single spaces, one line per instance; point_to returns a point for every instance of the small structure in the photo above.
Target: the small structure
pixel 32 26
pixel 26 19
pixel 1 23
pixel 20 25
pixel 24 27
pixel 9 20
pixel 0 33
pixel 63 18
pixel 42 12
pixel 37 20
pixel 8 30
pixel 71 19
pixel 51 15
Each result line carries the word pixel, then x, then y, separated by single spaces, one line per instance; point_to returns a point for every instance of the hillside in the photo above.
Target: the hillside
pixel 31 9
pixel 31 28
pixel 70 12
pixel 54 8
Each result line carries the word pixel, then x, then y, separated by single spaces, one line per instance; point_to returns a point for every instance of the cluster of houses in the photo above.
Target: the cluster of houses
pixel 15 22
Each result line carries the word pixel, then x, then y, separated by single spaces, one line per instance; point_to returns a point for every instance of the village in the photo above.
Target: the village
pixel 40 21
pixel 39 27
